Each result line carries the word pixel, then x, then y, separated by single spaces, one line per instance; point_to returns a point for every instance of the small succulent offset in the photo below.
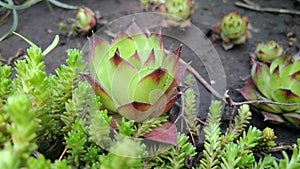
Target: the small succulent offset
pixel 134 75
pixel 85 20
pixel 268 51
pixel 277 80
pixel 233 29
pixel 178 12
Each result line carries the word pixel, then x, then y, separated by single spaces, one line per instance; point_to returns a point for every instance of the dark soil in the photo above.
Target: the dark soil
pixel 40 25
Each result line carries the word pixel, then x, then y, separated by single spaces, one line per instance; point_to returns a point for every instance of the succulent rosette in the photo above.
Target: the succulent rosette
pixel 181 9
pixel 276 81
pixel 233 29
pixel 85 19
pixel 268 51
pixel 134 75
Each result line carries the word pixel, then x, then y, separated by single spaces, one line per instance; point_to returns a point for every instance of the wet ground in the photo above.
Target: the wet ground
pixel 40 25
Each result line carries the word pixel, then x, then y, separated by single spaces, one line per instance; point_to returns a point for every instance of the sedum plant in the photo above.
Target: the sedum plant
pixel 276 81
pixel 233 29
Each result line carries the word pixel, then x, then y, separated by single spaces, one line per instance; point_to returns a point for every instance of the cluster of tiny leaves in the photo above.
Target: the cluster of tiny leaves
pixel 190 110
pixel 238 152
pixel 212 144
pixel 175 157
pixel 149 124
pixel 29 110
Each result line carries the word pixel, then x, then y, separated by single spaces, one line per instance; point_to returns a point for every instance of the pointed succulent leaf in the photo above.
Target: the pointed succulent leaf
pixel 275 119
pixel 135 60
pixel 105 98
pixel 152 86
pixel 125 44
pixel 286 96
pixel 136 111
pixel 121 73
pixel 164 134
pixel 293 118
pixel 261 78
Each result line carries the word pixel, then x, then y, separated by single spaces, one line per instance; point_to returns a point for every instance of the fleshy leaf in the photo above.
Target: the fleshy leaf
pixel 125 44
pixel 135 61
pixel 261 78
pixel 98 50
pixel 150 62
pixel 121 79
pixel 293 118
pixel 165 102
pixel 155 43
pixel 166 134
pixel 135 111
pixel 170 61
pixel 152 86
pixel 286 96
pixel 105 98
pixel 273 118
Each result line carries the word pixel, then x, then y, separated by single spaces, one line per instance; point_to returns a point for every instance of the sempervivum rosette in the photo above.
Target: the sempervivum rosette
pixel 277 80
pixel 268 51
pixel 134 76
pixel 233 29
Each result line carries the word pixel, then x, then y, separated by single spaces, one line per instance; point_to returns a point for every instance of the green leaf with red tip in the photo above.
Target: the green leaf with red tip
pixel 155 43
pixel 261 78
pixel 181 68
pixel 279 62
pixel 249 93
pixel 138 35
pixel 106 100
pixel 98 50
pixel 152 86
pixel 286 96
pixel 150 62
pixel 125 44
pixel 167 100
pixel 295 76
pixel 275 81
pixel 135 60
pixel 136 111
pixel 121 80
pixel 170 62
pixel 293 118
pixel 295 87
pixel 143 72
pixel 166 134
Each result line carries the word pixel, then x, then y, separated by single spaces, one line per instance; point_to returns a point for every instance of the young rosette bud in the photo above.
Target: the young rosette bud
pixel 277 81
pixel 134 75
pixel 85 20
pixel 233 29
pixel 268 51
pixel 179 11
